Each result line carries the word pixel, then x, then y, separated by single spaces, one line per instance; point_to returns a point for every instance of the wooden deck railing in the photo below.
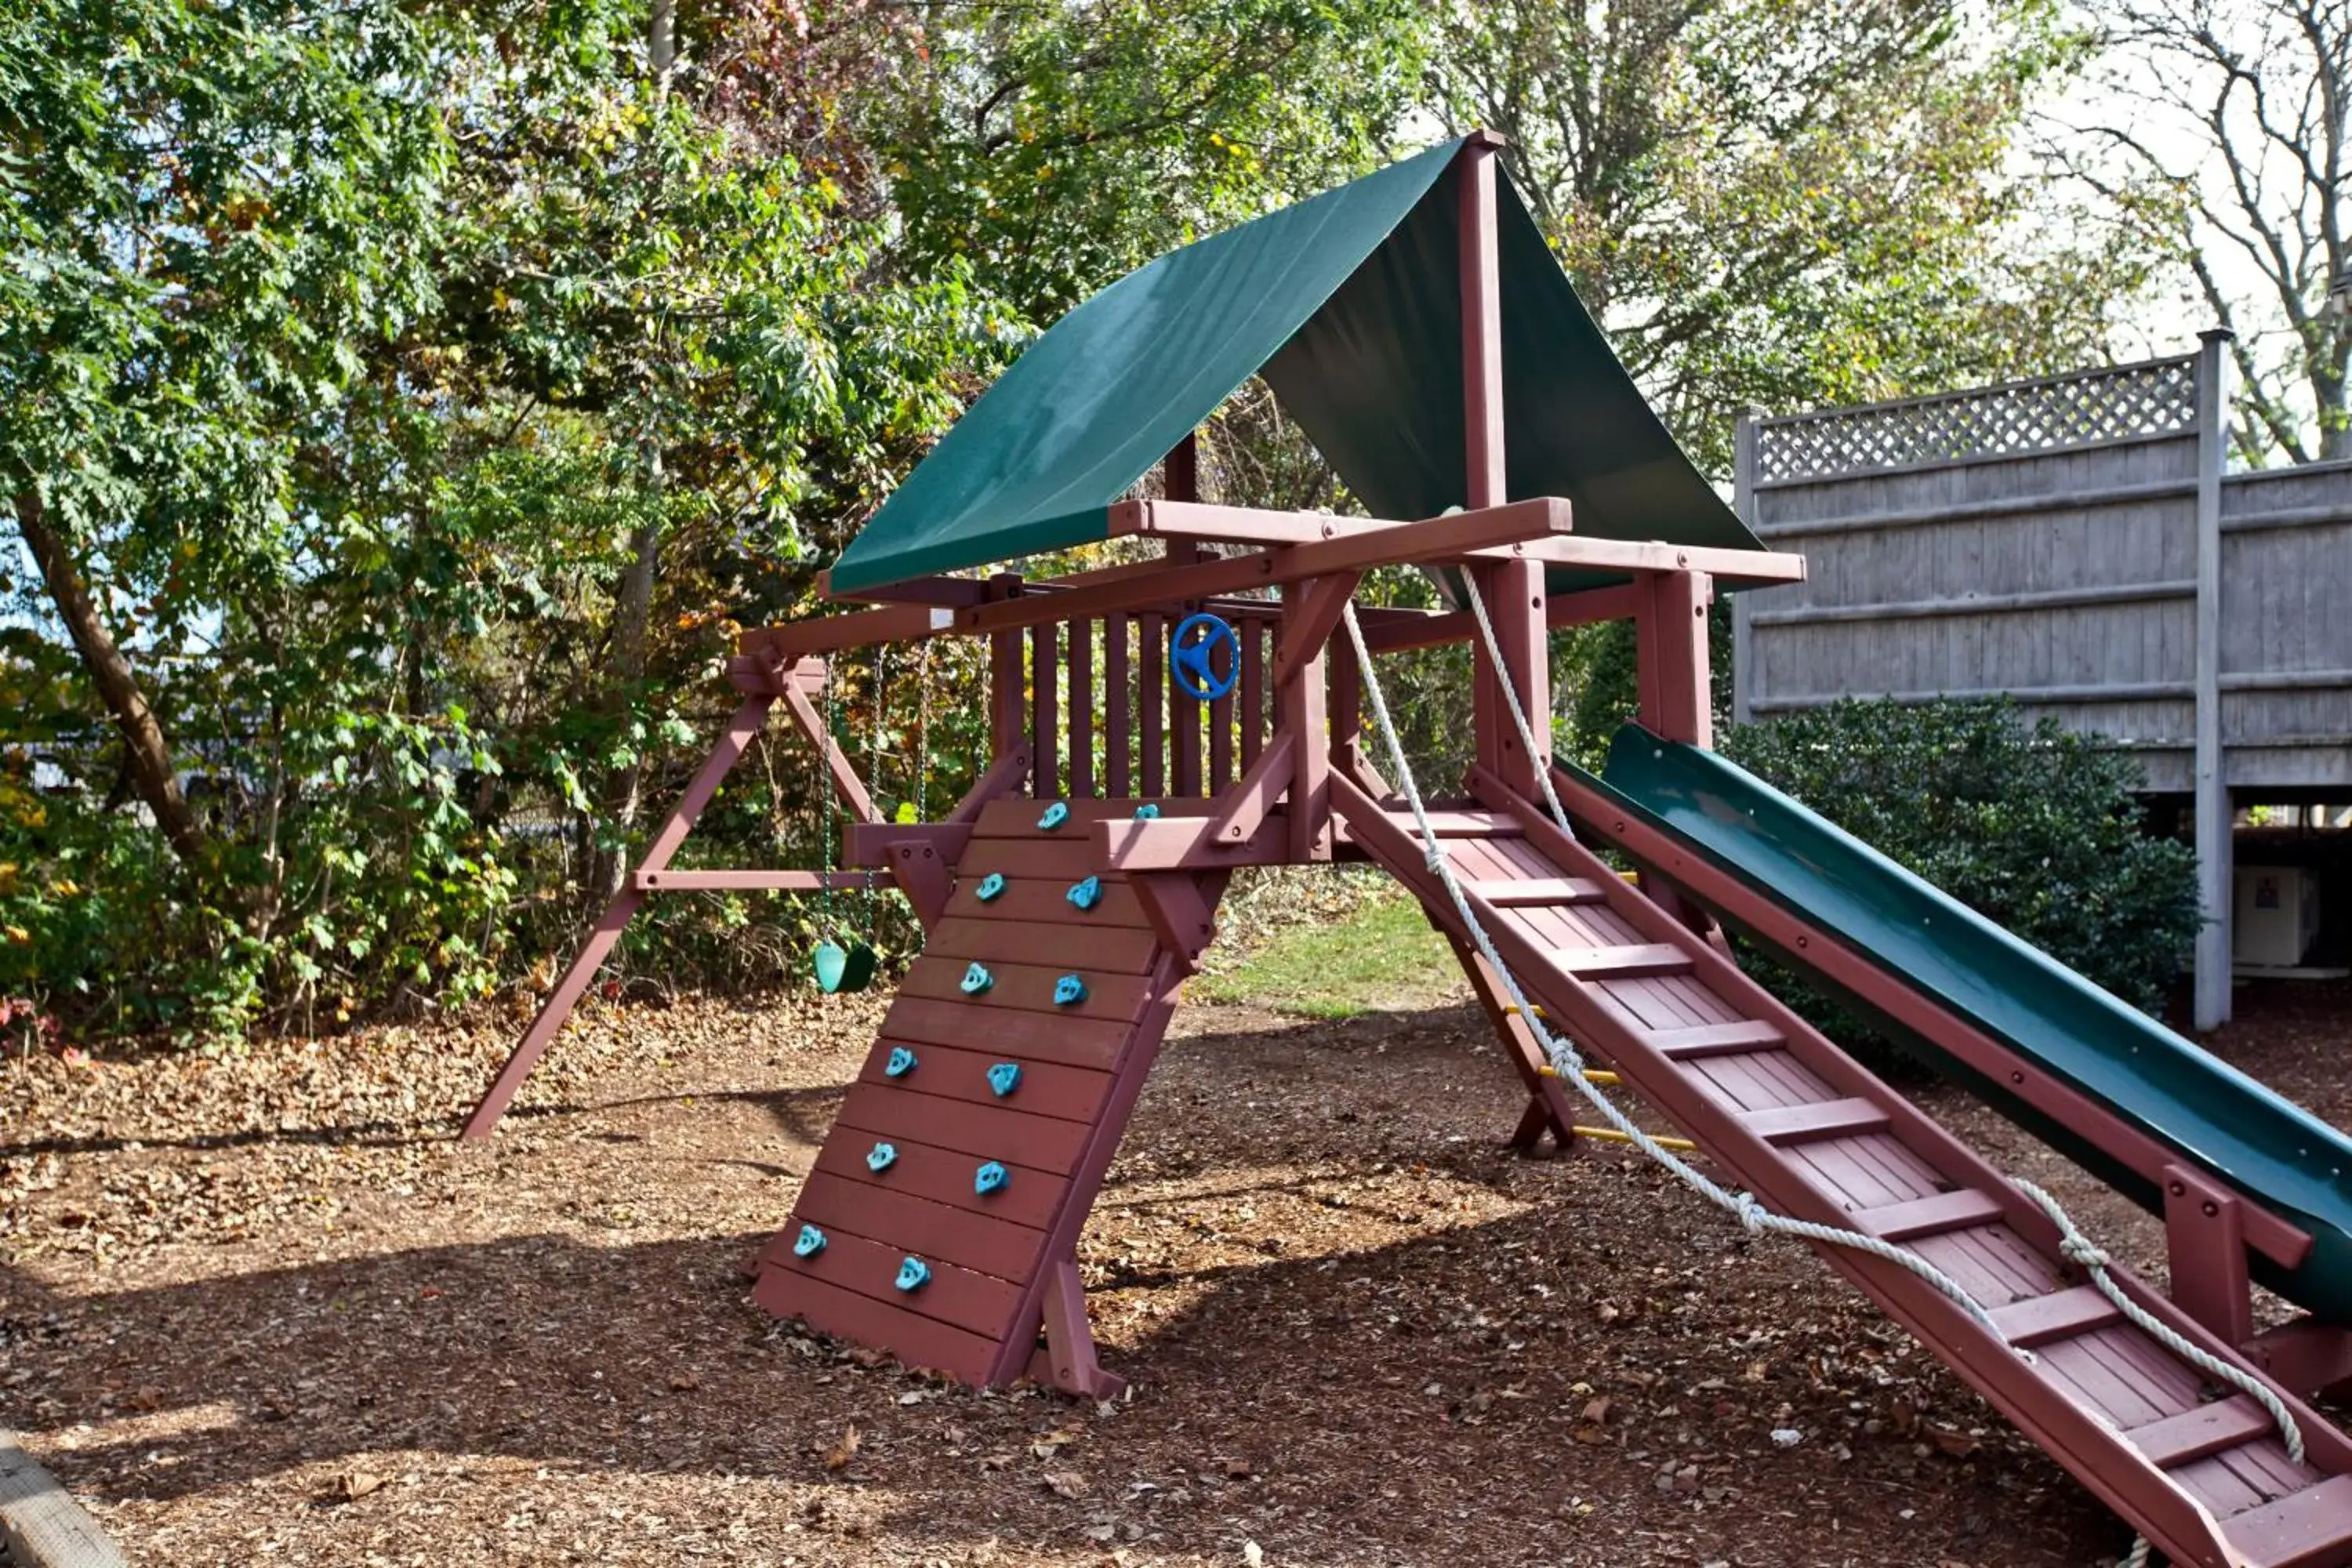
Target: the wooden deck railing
pixel 1093 700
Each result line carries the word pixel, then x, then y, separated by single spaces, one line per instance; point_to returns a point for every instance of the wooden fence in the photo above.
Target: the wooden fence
pixel 2076 543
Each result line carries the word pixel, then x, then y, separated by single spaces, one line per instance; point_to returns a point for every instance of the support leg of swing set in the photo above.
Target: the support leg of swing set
pixel 557 1009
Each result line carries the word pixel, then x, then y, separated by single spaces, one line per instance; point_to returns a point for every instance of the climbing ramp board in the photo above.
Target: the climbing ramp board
pixel 950 1192
pixel 2202 1473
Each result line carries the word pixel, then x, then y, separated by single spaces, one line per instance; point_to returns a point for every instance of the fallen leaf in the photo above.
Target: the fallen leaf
pixel 353 1485
pixel 1253 1553
pixel 1065 1483
pixel 840 1454
pixel 685 1383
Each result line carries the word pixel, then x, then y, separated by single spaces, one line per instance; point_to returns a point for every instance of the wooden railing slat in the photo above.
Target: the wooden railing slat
pixel 1082 709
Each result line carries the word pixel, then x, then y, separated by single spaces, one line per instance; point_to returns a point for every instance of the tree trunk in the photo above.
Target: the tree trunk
pixel 146 755
pixel 632 614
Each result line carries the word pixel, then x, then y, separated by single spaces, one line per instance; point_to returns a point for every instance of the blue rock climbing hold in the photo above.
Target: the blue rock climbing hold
pixel 976 980
pixel 1004 1077
pixel 1068 989
pixel 901 1063
pixel 881 1157
pixel 989 885
pixel 913 1274
pixel 809 1243
pixel 1085 894
pixel 1147 812
pixel 988 1178
pixel 1055 815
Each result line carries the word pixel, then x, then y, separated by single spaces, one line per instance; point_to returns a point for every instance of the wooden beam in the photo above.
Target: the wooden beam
pixel 1186 844
pixel 1304 634
pixel 1521 528
pixel 836 762
pixel 1181 916
pixel 1405 629
pixel 745 724
pixel 1246 804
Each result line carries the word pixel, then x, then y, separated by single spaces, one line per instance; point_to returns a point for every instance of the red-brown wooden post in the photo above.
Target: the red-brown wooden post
pixel 1670 626
pixel 1514 593
pixel 1180 471
pixel 1082 709
pixel 1007 707
pixel 1151 685
pixel 1300 709
pixel 1045 722
pixel 1221 734
pixel 1670 629
pixel 1118 767
pixel 1254 634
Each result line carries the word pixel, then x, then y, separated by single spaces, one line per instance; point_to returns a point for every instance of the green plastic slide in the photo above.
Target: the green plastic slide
pixel 2266 1147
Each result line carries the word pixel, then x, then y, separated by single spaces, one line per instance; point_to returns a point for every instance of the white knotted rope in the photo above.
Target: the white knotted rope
pixel 1567 1063
pixel 1569 1066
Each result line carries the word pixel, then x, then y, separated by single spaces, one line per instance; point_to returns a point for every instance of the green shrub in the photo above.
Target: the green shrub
pixel 2035 827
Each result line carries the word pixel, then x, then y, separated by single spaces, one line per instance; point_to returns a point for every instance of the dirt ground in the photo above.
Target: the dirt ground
pixel 268 1310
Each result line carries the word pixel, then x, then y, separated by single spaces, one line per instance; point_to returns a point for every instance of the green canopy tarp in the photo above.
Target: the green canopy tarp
pixel 1350 304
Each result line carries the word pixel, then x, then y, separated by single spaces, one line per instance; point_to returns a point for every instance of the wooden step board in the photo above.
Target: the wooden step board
pixel 999 1261
pixel 2200 1471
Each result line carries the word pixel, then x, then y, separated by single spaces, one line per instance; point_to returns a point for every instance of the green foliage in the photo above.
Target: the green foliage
pixel 2036 828
pixel 1055 147
pixel 1785 203
pixel 423 396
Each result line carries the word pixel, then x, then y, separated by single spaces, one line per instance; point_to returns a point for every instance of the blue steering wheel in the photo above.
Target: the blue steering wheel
pixel 1189 653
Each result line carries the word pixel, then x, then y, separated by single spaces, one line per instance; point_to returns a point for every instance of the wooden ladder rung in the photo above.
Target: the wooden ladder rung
pixel 2208 1429
pixel 1938 1214
pixel 2062 1314
pixel 1819 1120
pixel 1470 824
pixel 2309 1529
pixel 1518 893
pixel 1714 1039
pixel 1623 963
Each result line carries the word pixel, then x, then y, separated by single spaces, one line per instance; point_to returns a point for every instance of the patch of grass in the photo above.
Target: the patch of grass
pixel 1379 955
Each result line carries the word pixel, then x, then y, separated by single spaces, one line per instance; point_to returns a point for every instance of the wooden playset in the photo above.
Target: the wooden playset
pixel 1158 724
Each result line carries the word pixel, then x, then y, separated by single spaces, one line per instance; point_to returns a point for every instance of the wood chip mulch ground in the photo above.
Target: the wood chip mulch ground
pixel 267 1311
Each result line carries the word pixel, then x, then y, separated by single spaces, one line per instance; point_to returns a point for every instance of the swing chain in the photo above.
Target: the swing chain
pixel 873 771
pixel 922 728
pixel 824 810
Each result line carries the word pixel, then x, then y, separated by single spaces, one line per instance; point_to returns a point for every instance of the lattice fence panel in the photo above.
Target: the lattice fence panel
pixel 2155 399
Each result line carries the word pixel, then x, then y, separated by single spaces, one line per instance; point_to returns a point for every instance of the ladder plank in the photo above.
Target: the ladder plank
pixel 1110 950
pixel 1714 1039
pixel 1525 892
pixel 1044 1089
pixel 1944 1212
pixel 1820 1120
pixel 915 1339
pixel 2062 1314
pixel 932 1232
pixel 1623 963
pixel 982 1132
pixel 2207 1429
pixel 2309 1529
pixel 1034 901
pixel 1030 1198
pixel 1031 1037
pixel 958 1297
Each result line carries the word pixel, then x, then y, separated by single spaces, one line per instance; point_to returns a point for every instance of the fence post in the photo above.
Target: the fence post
pixel 2213 813
pixel 1743 501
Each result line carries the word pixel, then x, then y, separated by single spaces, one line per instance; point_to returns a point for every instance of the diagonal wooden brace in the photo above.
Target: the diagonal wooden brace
pixel 1548 1109
pixel 1067 1359
pixel 557 1008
